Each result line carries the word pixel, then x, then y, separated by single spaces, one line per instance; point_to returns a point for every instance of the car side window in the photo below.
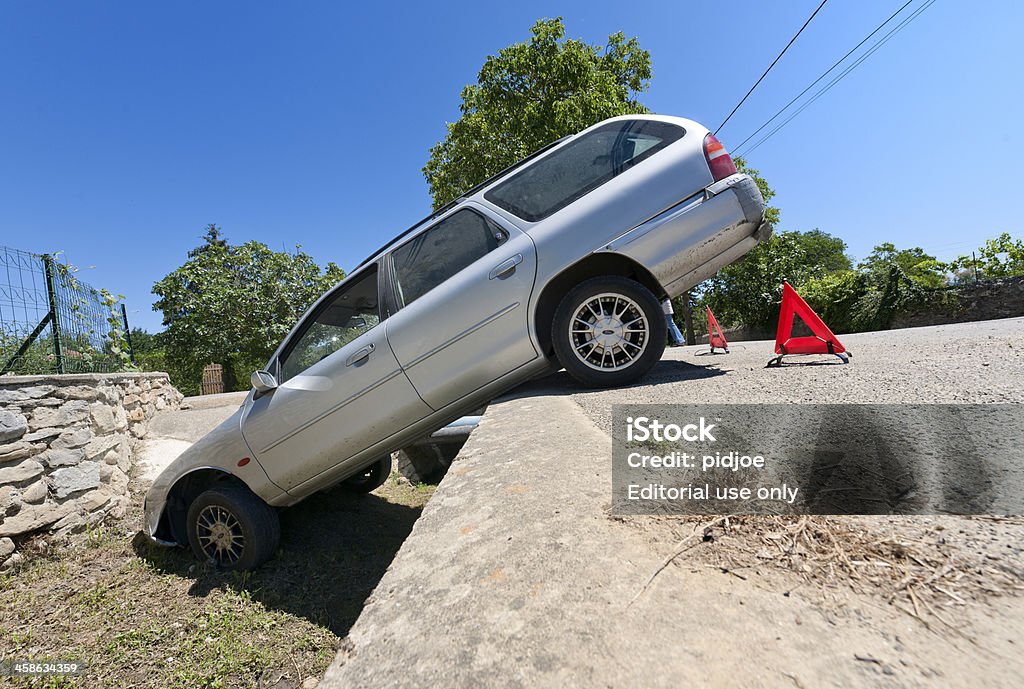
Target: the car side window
pixel 442 251
pixel 580 166
pixel 344 316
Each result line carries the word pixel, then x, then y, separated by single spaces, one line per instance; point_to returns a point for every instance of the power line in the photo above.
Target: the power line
pixel 771 65
pixel 871 51
pixel 823 75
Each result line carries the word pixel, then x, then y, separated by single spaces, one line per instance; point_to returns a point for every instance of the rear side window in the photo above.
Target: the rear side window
pixel 442 251
pixel 581 166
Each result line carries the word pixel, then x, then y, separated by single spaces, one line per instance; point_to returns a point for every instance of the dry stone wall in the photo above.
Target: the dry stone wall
pixel 67 446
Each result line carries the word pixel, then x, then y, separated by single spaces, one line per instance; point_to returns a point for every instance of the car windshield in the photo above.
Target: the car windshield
pixel 581 166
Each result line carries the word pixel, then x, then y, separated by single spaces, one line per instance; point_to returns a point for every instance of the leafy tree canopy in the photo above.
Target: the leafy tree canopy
pixel 749 291
pixel 997 258
pixel 531 94
pixel 234 304
pixel 923 269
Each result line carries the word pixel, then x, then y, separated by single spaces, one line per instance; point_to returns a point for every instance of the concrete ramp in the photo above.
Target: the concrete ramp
pixel 515 576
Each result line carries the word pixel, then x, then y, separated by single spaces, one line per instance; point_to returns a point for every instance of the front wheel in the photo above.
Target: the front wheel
pixel 231 527
pixel 608 331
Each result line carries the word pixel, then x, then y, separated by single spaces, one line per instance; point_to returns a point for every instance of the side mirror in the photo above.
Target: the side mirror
pixel 263 381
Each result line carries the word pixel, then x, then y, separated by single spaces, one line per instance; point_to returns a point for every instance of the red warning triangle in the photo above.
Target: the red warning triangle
pixel 715 336
pixel 821 342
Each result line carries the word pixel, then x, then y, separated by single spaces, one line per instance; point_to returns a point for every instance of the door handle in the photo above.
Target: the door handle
pixel 360 356
pixel 506 267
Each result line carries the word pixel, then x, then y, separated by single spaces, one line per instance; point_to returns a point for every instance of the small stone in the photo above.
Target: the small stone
pixel 131 400
pixel 12 425
pixel 35 493
pixel 118 481
pixel 58 458
pixel 310 683
pixel 6 547
pixel 72 438
pixel 64 415
pixel 42 434
pixel 10 501
pixel 99 445
pixel 12 396
pixel 34 517
pixel 28 469
pixel 13 560
pixel 37 391
pixel 69 480
pixel 136 415
pixel 78 392
pixel 20 450
pixel 102 418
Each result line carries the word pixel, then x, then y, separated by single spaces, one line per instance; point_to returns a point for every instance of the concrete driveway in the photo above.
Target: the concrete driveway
pixel 516 575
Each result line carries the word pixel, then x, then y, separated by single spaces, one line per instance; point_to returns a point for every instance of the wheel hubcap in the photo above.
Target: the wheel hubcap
pixel 220 535
pixel 609 332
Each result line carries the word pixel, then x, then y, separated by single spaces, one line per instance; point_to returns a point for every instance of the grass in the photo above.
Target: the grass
pixel 143 616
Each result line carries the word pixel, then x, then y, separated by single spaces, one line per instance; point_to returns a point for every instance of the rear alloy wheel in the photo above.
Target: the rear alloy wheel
pixel 232 528
pixel 370 478
pixel 608 331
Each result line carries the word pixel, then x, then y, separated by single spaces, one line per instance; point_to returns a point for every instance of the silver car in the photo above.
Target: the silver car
pixel 559 261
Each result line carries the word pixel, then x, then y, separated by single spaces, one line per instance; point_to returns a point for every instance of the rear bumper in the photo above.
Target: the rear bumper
pixel 690 242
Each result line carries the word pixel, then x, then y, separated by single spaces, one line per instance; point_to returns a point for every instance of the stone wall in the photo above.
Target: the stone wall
pixel 981 301
pixel 67 445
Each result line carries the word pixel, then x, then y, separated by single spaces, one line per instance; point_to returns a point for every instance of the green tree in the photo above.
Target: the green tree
pixel 531 94
pixel 922 269
pixel 748 292
pixel 997 258
pixel 232 305
pixel 213 237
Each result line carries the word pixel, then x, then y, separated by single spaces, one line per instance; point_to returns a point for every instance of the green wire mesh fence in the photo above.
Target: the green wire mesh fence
pixel 51 322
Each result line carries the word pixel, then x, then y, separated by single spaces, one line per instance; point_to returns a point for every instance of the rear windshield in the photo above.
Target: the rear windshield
pixel 581 166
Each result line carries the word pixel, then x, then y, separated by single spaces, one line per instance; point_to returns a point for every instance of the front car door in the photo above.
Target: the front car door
pixel 340 391
pixel 463 288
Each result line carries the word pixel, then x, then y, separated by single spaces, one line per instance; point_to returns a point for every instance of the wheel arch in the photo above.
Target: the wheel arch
pixel 597 264
pixel 188 487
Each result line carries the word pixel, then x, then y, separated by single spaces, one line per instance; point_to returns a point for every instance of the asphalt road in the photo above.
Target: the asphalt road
pixel 951 364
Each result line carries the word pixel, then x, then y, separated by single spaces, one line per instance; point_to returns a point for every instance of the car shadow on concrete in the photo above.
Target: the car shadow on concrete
pixel 665 371
pixel 335 547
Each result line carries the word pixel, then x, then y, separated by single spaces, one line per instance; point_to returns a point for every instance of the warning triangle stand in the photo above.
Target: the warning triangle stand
pixel 823 341
pixel 715 336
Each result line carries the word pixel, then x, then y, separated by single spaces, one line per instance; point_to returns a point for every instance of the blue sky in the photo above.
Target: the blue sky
pixel 127 127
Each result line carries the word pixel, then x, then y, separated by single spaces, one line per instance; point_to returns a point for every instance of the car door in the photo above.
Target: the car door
pixel 340 390
pixel 463 287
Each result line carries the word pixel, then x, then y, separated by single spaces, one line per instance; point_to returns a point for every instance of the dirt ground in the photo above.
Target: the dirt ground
pixel 141 616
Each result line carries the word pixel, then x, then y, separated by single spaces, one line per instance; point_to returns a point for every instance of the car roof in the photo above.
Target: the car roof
pixel 462 197
pixel 685 123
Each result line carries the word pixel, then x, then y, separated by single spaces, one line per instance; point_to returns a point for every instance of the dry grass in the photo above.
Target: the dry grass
pixel 926 565
pixel 143 616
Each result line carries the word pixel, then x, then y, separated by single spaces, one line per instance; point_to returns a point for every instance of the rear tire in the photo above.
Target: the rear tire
pixel 608 331
pixel 370 478
pixel 232 528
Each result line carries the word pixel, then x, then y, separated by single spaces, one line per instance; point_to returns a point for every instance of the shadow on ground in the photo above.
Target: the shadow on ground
pixel 665 371
pixel 335 547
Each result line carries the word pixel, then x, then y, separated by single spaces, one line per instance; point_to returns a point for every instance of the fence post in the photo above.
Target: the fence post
pixel 51 296
pixel 128 334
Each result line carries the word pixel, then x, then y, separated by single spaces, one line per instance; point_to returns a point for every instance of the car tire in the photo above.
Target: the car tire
pixel 370 478
pixel 232 528
pixel 608 331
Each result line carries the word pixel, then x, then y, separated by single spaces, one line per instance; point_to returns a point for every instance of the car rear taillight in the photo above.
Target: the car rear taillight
pixel 718 158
